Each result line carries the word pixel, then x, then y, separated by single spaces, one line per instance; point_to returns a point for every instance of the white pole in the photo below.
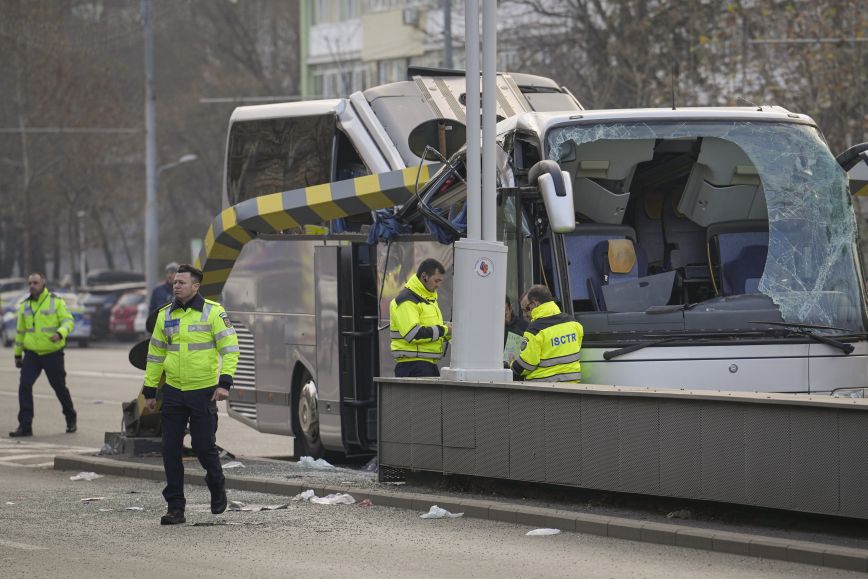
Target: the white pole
pixel 471 57
pixel 489 119
pixel 152 231
pixel 480 263
pixel 82 264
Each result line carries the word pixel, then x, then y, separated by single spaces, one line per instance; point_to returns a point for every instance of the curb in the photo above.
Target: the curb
pixel 805 552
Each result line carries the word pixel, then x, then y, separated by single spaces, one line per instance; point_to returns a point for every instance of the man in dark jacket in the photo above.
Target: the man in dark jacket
pixel 512 322
pixel 162 294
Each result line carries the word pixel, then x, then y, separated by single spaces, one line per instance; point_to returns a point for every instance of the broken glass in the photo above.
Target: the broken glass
pixel 810 272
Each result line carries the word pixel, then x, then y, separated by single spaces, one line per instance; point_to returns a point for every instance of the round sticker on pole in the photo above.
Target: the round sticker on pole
pixel 484 267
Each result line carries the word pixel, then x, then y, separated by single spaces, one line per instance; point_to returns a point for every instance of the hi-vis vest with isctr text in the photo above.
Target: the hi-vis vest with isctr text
pixel 551 347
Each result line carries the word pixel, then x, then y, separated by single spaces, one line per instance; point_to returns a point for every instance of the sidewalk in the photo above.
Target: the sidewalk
pixel 289 479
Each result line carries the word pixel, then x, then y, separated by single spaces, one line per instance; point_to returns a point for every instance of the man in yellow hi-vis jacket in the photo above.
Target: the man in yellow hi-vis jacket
pixel 194 343
pixel 551 350
pixel 43 325
pixel 419 334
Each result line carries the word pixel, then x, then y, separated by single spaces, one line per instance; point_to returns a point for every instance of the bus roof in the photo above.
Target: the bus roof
pixel 539 123
pixel 280 110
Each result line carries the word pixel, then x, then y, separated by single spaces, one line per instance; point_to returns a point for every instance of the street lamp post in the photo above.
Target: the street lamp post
pixel 82 262
pixel 152 229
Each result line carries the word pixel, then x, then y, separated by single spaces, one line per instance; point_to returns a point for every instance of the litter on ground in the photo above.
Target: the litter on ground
pixel 436 512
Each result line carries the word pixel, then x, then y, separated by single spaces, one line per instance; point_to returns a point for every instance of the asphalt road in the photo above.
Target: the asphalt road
pixel 100 379
pixel 48 531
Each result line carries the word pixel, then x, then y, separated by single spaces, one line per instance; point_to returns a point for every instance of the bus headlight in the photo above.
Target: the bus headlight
pixel 849 392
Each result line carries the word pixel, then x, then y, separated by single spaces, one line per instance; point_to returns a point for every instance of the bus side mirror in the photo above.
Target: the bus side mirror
pixel 855 162
pixel 556 188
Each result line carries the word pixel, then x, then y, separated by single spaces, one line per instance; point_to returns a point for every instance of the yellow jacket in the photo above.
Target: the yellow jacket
pixel 192 345
pixel 551 348
pixel 416 324
pixel 40 319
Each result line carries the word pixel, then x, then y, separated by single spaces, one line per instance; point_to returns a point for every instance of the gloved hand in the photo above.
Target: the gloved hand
pixel 19 361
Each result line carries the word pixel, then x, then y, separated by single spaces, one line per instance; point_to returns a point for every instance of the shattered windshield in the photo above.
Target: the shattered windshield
pixel 810 271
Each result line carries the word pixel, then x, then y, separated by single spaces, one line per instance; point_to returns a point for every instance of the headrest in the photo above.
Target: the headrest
pixel 622 255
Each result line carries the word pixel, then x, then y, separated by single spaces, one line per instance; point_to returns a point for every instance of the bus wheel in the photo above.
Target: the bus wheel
pixel 308 420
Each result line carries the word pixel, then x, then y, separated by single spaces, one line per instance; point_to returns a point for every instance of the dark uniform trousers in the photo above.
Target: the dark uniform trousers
pixel 32 366
pixel 197 408
pixel 416 369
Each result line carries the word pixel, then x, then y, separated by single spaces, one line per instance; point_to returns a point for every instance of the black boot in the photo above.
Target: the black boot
pixel 71 424
pixel 219 501
pixel 173 517
pixel 21 431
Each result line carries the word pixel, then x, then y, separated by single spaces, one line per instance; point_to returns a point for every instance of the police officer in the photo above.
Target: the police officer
pixel 194 343
pixel 419 334
pixel 43 325
pixel 552 342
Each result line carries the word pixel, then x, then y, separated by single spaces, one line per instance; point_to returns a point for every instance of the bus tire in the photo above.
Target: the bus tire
pixel 306 423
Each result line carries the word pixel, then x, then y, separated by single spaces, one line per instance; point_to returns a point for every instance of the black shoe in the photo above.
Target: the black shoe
pixel 219 501
pixel 21 431
pixel 173 517
pixel 71 425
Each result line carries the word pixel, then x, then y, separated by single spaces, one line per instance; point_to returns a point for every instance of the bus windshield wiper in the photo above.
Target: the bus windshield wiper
pixel 791 329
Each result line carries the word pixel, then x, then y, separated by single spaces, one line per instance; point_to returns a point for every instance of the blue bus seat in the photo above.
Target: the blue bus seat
pixel 737 251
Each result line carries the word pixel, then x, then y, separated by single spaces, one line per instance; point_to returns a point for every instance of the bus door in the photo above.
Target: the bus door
pixel 346 347
pixel 359 351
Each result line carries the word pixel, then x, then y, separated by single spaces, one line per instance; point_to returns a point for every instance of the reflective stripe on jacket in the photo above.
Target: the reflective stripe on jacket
pixel 192 345
pixel 40 319
pixel 416 324
pixel 551 347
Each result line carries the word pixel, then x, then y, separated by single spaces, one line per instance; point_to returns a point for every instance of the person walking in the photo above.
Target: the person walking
pixel 43 326
pixel 194 343
pixel 419 334
pixel 162 294
pixel 551 349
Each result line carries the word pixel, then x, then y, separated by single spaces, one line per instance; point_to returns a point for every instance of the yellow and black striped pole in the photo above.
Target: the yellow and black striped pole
pixel 275 212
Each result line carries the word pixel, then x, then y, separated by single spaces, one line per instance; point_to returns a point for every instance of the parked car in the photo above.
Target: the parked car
pixel 113 276
pixel 9 301
pixel 123 313
pixel 140 324
pixel 11 284
pixel 81 332
pixel 99 303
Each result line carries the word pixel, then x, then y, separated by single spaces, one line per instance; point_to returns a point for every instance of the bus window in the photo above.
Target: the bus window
pixel 273 155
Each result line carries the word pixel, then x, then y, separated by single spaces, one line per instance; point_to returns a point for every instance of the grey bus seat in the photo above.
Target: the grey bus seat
pixel 579 246
pixel 737 251
pixel 648 221
pixel 602 173
pixel 685 239
pixel 724 185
